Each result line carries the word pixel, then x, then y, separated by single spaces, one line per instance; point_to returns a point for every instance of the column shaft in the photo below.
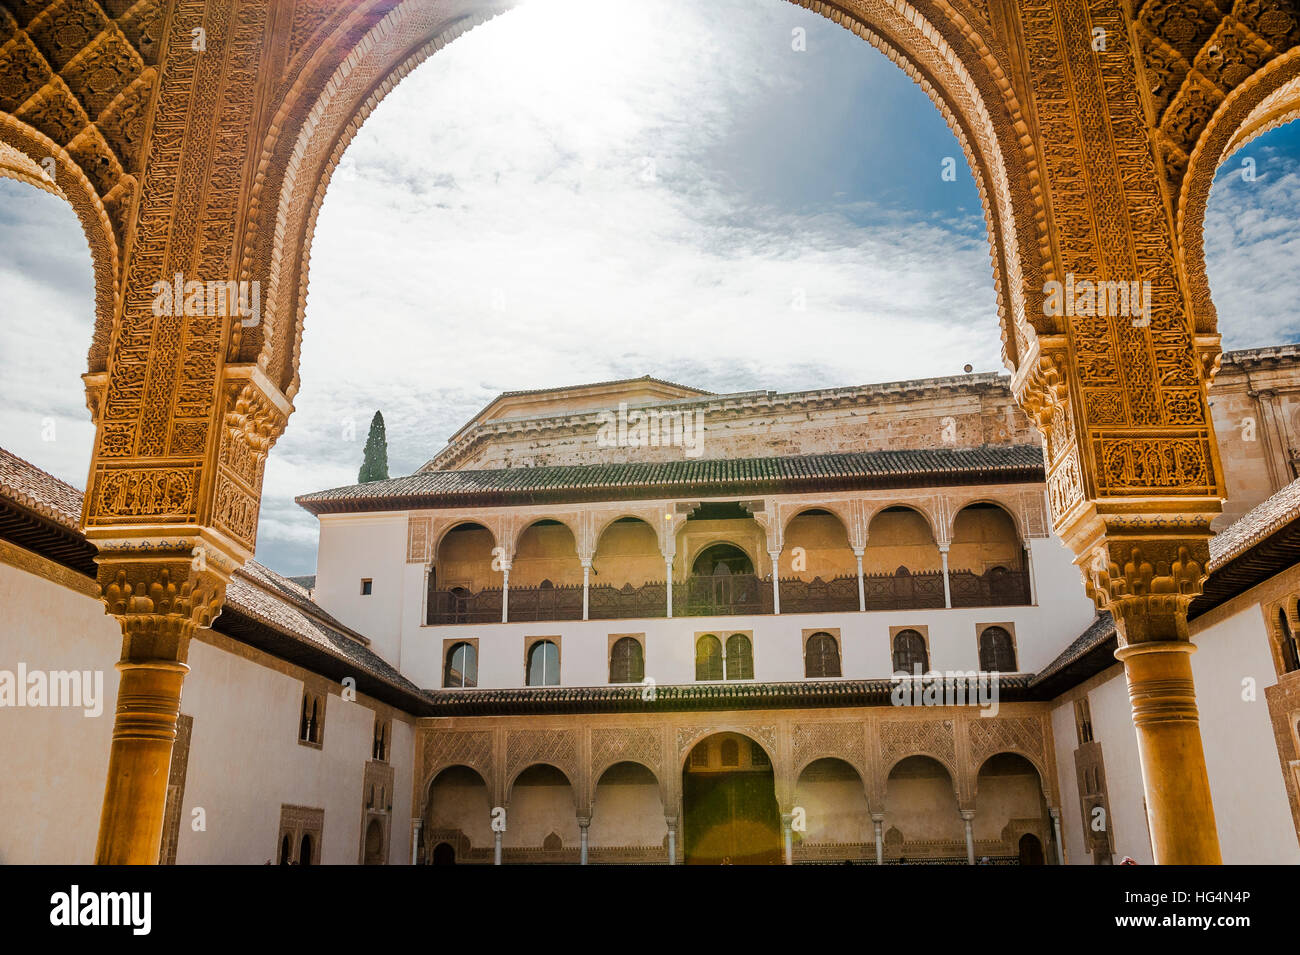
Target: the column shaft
pixel 1179 808
pixel 505 594
pixel 586 589
pixel 139 759
pixel 862 584
pixel 947 586
pixel 776 580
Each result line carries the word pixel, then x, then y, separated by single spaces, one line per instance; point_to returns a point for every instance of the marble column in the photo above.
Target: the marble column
pixel 947 586
pixel 862 584
pixel 967 818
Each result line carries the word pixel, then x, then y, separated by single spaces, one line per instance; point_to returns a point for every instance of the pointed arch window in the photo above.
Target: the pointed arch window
pixel 626 661
pixel 544 664
pixel 910 653
pixel 997 651
pixel 461 668
pixel 740 658
pixel 821 656
pixel 708 658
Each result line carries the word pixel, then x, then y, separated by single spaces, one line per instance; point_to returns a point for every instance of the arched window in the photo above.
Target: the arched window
pixel 758 755
pixel 997 652
pixel 722 560
pixel 285 850
pixel 708 658
pixel 740 657
pixel 1287 643
pixel 910 653
pixel 730 752
pixel 700 755
pixel 304 856
pixel 626 661
pixel 821 656
pixel 304 724
pixel 462 666
pixel 544 664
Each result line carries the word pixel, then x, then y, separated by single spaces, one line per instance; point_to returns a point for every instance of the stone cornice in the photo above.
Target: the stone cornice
pixel 719 408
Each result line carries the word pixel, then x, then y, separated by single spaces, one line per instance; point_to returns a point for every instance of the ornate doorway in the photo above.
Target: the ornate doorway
pixel 730 813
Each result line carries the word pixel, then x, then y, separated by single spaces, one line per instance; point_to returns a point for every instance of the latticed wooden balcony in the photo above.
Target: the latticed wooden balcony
pixel 733 595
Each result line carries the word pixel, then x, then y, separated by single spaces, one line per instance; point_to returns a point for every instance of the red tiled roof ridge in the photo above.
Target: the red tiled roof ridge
pixel 688 472
pixel 39 491
pixel 1259 522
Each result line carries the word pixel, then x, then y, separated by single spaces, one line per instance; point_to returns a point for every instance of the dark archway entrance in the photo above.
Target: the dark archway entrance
pixel 722 560
pixel 730 813
pixel 374 851
pixel 444 854
pixel 1031 850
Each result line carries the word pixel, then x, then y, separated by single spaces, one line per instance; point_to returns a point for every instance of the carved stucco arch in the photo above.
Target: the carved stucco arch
pixel 21 150
pixel 558 519
pixel 1012 511
pixel 687 739
pixel 689 559
pixel 864 777
pixel 840 510
pixel 955 778
pixel 469 521
pixel 926 511
pixel 568 774
pixel 1033 759
pixel 599 770
pixel 1269 98
pixel 948 54
pixel 615 517
pixel 442 768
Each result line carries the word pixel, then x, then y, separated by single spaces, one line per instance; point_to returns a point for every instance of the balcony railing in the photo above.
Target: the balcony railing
pixel 732 595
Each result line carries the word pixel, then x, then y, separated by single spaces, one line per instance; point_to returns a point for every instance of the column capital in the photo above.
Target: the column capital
pixel 1147 583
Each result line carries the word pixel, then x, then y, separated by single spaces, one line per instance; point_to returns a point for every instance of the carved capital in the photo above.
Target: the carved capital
pixel 254 415
pixel 1147 584
pixel 160 592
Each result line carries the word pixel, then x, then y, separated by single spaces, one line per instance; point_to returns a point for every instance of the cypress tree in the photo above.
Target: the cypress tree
pixel 374 466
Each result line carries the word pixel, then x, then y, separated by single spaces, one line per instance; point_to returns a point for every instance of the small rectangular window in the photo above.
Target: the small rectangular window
pixel 366 585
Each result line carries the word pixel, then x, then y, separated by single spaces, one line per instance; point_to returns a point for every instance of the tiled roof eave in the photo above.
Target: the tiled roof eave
pixel 494 497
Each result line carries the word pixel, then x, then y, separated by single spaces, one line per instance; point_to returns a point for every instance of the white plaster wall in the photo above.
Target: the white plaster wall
pixel 401 754
pixel 1250 801
pixel 1112 724
pixel 55 760
pixel 355 546
pixel 1066 740
pixel 1041 633
pixel 244 756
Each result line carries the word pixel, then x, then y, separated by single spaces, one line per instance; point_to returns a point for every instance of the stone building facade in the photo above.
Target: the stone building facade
pixel 615 651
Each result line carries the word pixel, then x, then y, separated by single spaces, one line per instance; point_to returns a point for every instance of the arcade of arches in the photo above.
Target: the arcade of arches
pixel 858 786
pixel 1093 160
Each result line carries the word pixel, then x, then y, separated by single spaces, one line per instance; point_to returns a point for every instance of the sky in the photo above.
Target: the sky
pixel 583 190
